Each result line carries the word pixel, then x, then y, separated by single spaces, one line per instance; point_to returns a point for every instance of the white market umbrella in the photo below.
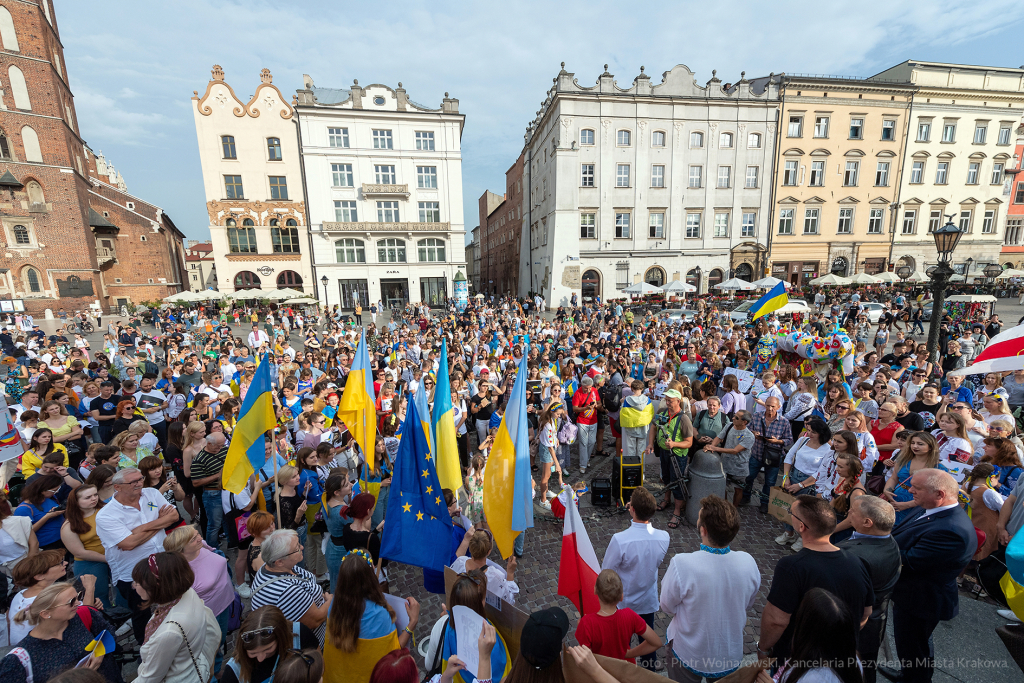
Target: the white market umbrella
pixel 863 279
pixel 1010 272
pixel 830 280
pixel 182 297
pixel 918 276
pixel 678 286
pixel 769 282
pixel 888 276
pixel 793 307
pixel 957 278
pixel 479 296
pixel 735 283
pixel 642 288
pixel 285 293
pixel 300 300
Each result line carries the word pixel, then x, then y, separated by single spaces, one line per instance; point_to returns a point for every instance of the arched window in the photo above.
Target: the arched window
pixel 35 193
pixel 754 141
pixel 291 223
pixel 31 143
pixel 286 240
pixel 431 249
pixel 19 89
pixel 714 278
pixel 230 223
pixel 696 139
pixel 289 278
pixel 274 149
pixel 391 250
pixel 350 250
pixel 744 271
pixel 247 280
pixel 655 276
pixel 242 240
pixel 693 278
pixel 725 140
pixel 7 33
pixel 839 266
pixel 591 285
pixel 33 280
pixel 274 223
pixel 248 222
pixel 5 146
pixel 21 235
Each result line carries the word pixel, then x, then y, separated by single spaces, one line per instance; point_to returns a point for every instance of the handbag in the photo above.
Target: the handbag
pixel 186 676
pixel 235 615
pixel 772 454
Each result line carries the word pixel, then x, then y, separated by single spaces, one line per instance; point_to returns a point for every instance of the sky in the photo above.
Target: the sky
pixel 133 65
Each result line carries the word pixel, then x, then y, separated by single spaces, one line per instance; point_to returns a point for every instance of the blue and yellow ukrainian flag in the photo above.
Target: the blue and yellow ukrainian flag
pixel 446 448
pixel 508 495
pixel 775 299
pixel 358 407
pixel 247 452
pixel 1012 582
pixel 101 645
pixel 236 381
pixel 423 410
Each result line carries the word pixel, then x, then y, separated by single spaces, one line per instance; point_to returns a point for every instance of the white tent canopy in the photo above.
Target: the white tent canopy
pixel 829 280
pixel 769 282
pixel 735 284
pixel 918 276
pixel 300 300
pixel 888 276
pixel 642 288
pixel 678 286
pixel 1010 272
pixel 863 279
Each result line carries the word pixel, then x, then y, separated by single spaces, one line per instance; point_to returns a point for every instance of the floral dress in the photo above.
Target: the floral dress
pixel 475 509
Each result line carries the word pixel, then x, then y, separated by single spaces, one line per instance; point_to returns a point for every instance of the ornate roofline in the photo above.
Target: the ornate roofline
pixel 242 109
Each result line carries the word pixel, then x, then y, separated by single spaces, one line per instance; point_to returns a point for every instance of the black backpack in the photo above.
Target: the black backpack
pixel 612 398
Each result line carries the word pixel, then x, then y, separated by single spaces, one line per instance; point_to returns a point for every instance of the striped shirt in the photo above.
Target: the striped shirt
pixel 293 594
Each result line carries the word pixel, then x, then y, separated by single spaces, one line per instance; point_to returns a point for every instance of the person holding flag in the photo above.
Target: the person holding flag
pixel 773 300
pixel 358 407
pixel 449 471
pixel 247 452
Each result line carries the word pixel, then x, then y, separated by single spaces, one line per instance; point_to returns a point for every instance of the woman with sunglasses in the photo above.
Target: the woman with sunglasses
pixel 57 638
pixel 32 575
pixel 182 636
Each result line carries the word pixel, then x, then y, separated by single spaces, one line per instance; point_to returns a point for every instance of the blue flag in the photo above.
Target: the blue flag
pixel 418 530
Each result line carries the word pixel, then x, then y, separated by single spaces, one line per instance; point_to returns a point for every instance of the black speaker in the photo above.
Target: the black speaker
pixel 632 472
pixel 601 492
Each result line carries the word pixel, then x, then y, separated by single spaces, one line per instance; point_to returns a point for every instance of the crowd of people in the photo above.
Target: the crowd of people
pixel 115 517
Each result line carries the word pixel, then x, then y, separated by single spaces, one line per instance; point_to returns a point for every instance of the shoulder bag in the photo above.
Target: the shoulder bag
pixel 186 676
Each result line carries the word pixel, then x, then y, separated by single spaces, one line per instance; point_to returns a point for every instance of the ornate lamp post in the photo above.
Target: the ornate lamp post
pixel 324 281
pixel 697 268
pixel 946 239
pixel 991 271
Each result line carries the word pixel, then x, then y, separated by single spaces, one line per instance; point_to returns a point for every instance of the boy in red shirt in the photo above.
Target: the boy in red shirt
pixel 610 631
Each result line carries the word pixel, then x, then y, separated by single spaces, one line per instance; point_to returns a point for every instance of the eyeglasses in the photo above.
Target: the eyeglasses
pixel 838 408
pixel 73 601
pixel 797 518
pixel 133 482
pixel 249 636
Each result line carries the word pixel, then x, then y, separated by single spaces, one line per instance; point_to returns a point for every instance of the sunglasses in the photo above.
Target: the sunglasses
pixel 249 636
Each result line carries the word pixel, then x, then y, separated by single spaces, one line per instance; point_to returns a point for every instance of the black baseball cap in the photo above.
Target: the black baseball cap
pixel 540 643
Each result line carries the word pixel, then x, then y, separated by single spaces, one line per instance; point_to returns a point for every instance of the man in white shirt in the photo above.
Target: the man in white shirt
pixel 635 554
pixel 131 528
pixel 29 401
pixel 257 338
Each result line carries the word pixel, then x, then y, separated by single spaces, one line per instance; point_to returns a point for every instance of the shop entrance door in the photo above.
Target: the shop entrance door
pixel 394 293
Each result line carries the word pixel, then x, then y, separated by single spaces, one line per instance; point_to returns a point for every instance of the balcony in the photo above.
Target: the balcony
pixel 385 190
pixel 105 256
pixel 368 226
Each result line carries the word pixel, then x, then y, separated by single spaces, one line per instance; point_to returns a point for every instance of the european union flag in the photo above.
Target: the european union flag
pixel 418 530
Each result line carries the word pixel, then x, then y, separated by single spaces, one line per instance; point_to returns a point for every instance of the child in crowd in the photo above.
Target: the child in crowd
pixel 610 630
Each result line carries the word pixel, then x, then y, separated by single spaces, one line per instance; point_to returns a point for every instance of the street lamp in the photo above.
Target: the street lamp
pixel 903 272
pixel 323 280
pixel 946 239
pixel 967 268
pixel 697 269
pixel 991 271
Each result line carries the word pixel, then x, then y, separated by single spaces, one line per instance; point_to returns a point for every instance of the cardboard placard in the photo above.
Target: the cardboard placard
pixel 778 504
pixel 621 670
pixel 507 619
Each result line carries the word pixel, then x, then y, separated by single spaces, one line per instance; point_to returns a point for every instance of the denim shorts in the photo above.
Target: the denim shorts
pixel 545 455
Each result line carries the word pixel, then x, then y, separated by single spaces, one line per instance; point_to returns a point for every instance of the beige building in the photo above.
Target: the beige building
pixel 252 174
pixel 200 266
pixel 837 175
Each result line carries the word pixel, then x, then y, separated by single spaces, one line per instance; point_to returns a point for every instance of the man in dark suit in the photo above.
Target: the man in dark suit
pixel 936 543
pixel 873 543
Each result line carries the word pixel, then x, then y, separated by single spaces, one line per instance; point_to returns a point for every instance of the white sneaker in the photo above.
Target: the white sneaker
pixel 244 591
pixel 546 505
pixel 1007 614
pixel 583 470
pixel 550 494
pixel 785 538
pixel 798 545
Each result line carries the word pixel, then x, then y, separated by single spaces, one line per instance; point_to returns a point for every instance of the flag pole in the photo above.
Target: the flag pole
pixel 277 485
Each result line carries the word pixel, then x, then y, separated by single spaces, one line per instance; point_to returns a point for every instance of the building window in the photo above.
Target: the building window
pixel 909 220
pixel 811 221
pixel 889 130
pixel 748 226
pixel 425 140
pixel 949 132
pixel 721 228
pixel 622 175
pixel 289 278
pixel 622 274
pixel 426 176
pixel 856 129
pixel 657 176
pixel 33 280
pixel 965 220
pixel 917 173
pixel 845 221
pixel 391 250
pixel 285 240
pixel 1004 135
pixel 431 250
pixel 587 175
pixel 821 126
pixel 875 221
pixel 1018 198
pixel 233 187
pixel 384 175
pixel 693 225
pixel 850 177
pixel 247 280
pixel 342 175
pixel 1014 231
pixel 586 137
pixel 696 139
pixel 5 147
pixel 656 225
pixel 274 149
pixel 972 172
pixel 227 143
pixel 924 131
pixel 754 141
pixel 382 139
pixel 345 212
pixel 350 250
pixel 725 140
pixel 751 181
pixel 934 220
pixel 724 176
pixel 242 240
pixel 941 170
pixel 622 225
pixel 622 138
pixel 988 223
pixel 786 221
pixel 337 137
pixel 387 212
pixel 19 88
pixel 789 173
pixel 817 174
pixel 696 173
pixel 997 174
pixel 980 133
pixel 796 124
pixel 658 138
pixel 430 212
pixel 882 174
pixel 278 187
pixel 21 235
pixel 588 227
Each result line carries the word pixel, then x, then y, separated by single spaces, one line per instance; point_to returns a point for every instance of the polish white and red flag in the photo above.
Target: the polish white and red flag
pixel 578 569
pixel 1004 352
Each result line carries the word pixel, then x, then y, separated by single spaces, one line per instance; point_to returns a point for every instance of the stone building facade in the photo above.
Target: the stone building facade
pixel 200 265
pixel 501 225
pixel 1011 255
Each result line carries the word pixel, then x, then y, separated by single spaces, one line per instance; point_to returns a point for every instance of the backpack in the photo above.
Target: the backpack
pixel 567 433
pixel 611 397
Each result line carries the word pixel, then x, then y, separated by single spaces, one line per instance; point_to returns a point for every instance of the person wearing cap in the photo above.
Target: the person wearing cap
pixel 671 440
pixel 540 651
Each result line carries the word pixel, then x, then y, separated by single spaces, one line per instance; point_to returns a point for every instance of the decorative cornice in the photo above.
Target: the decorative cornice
pixel 367 226
pixel 242 109
pixel 263 257
pixel 260 212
